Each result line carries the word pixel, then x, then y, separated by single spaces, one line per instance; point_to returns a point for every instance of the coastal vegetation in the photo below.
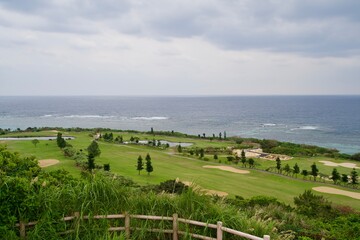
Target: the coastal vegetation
pixel 269 198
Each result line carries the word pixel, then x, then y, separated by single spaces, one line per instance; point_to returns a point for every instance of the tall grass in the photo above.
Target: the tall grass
pixel 100 195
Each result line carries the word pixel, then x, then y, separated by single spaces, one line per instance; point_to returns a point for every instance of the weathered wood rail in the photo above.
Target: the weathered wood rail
pixel 220 229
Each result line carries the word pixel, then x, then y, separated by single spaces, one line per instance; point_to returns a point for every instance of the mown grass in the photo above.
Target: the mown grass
pixel 170 165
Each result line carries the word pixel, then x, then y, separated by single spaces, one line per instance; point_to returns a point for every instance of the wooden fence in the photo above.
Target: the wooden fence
pixel 174 231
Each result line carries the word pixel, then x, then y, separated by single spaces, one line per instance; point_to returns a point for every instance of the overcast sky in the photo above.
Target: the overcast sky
pixel 179 47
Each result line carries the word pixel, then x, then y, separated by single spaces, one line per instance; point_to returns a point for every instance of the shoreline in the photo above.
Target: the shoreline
pixel 53 130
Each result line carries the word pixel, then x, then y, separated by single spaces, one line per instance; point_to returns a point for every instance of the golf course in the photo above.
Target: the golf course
pixel 213 175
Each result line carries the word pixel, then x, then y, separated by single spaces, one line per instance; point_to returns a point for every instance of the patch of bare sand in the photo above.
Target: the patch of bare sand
pixel 333 164
pixel 337 191
pixel 204 190
pixel 226 168
pixel 48 162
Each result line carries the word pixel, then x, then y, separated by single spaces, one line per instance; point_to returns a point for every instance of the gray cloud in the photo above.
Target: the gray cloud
pixel 316 28
pixel 135 47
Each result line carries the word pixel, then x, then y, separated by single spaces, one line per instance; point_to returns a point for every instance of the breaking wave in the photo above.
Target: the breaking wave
pixel 150 118
pixel 87 116
pixel 269 124
pixel 306 128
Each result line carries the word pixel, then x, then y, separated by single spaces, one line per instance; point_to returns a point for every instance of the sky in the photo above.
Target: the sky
pixel 179 47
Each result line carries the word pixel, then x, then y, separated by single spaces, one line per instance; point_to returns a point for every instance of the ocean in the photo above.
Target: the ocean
pixel 329 121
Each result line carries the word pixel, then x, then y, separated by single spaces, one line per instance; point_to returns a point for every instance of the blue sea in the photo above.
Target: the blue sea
pixel 329 121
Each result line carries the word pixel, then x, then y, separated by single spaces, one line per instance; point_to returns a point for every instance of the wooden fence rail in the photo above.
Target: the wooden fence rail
pixel 174 231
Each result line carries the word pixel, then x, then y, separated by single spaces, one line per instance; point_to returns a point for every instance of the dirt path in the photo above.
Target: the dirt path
pixel 337 191
pixel 333 164
pixel 48 162
pixel 226 168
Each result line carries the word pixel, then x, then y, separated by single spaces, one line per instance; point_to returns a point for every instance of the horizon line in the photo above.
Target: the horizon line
pixel 186 95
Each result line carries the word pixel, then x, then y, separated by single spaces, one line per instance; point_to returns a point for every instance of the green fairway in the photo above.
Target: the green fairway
pixel 168 164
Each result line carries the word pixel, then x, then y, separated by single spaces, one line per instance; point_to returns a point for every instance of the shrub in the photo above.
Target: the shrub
pixel 107 167
pixel 172 186
pixel 313 205
pixel 69 151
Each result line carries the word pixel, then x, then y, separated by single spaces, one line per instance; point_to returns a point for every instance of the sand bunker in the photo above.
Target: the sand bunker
pixel 204 190
pixel 332 164
pixel 226 168
pixel 337 191
pixel 47 162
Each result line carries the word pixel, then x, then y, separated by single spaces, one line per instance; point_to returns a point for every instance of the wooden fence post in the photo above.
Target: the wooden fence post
pixel 175 226
pixel 22 230
pixel 266 237
pixel 127 225
pixel 77 221
pixel 219 231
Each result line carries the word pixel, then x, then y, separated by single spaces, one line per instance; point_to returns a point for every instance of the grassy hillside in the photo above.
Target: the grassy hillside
pixel 169 164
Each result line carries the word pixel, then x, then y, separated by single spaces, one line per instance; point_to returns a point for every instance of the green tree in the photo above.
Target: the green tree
pixel 215 156
pixel 237 159
pixel 287 169
pixel 91 162
pixel 94 149
pixel 60 141
pixel 335 175
pixel 107 167
pixel 119 139
pixel 251 162
pixel 296 169
pixel 179 148
pixel 224 134
pixel 354 177
pixel 35 142
pixel 202 152
pixel 278 164
pixel 243 158
pixel 140 164
pixel 149 167
pixel 314 171
pixel 304 173
pixel 230 158
pixel 345 178
pixel 58 138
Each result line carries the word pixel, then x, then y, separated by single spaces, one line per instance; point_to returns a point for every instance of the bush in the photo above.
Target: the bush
pixel 172 186
pixel 313 205
pixel 355 157
pixel 69 151
pixel 107 167
pixel 230 158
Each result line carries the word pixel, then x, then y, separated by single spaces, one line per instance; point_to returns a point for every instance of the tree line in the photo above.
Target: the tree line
pixel 335 176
